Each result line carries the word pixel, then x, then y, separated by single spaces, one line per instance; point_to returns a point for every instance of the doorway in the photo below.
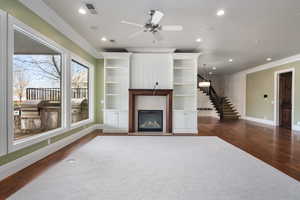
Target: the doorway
pixel 285 94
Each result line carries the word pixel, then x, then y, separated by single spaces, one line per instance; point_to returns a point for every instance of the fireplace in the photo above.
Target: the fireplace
pixel 133 93
pixel 150 120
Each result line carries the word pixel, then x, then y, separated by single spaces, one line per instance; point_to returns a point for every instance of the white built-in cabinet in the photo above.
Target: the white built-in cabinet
pixel 116 85
pixel 118 74
pixel 185 93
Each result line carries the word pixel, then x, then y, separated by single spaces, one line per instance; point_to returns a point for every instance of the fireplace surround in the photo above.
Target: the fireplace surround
pixel 133 93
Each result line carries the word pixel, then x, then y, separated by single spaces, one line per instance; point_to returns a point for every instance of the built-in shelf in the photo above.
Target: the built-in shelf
pixel 112 94
pixel 185 93
pixel 112 110
pixel 113 83
pixel 116 79
pixel 112 68
pixel 183 68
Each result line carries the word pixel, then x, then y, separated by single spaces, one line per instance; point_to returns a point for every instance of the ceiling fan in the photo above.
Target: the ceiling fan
pixel 153 26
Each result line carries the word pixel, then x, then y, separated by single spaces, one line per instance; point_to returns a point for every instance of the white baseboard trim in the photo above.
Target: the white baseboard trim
pixel 262 121
pixel 296 128
pixel 115 130
pixel 99 126
pixel 269 122
pixel 23 162
pixel 182 131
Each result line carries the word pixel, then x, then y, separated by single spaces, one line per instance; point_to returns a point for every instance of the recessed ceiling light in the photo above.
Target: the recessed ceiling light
pixel 220 12
pixel 103 39
pixel 210 73
pixel 214 68
pixel 230 60
pixel 269 59
pixel 82 11
pixel 199 40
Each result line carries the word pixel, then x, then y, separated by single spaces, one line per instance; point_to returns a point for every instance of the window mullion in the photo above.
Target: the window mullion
pixel 67 91
pixel 3 64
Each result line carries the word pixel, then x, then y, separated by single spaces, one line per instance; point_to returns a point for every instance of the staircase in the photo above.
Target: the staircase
pixel 222 105
pixel 205 106
pixel 229 112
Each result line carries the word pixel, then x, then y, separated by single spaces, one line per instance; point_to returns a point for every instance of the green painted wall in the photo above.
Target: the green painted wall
pixel 262 82
pixel 99 90
pixel 16 9
pixel 27 150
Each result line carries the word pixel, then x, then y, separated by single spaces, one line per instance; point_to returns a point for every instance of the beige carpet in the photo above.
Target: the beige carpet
pixel 160 168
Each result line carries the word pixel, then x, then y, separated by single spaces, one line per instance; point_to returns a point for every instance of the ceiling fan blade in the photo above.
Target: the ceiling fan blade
pixel 132 24
pixel 135 34
pixel 158 36
pixel 172 28
pixel 156 17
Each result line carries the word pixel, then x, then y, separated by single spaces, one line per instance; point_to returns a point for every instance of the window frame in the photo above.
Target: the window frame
pixel 90 67
pixel 15 24
pixel 3 57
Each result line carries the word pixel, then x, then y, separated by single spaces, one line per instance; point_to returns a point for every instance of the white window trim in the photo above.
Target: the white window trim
pixel 91 92
pixel 3 50
pixel 13 24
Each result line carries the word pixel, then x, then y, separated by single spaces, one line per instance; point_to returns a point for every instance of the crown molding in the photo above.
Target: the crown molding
pixel 270 65
pixel 50 16
pixel 151 50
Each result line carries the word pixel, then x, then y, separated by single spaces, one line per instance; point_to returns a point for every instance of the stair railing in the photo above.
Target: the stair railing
pixel 211 92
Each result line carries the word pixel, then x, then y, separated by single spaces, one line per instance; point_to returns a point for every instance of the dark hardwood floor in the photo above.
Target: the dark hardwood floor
pixel 278 147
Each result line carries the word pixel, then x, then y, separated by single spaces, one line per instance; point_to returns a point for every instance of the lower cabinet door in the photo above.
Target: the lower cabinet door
pixel 191 120
pixel 111 119
pixel 178 120
pixel 123 120
pixel 185 122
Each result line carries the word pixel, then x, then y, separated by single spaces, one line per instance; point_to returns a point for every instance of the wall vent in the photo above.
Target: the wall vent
pixel 91 8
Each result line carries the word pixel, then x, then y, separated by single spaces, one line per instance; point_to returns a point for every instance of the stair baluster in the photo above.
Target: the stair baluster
pixel 219 102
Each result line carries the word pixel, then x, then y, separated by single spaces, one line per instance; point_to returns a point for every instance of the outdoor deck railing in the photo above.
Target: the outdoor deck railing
pixel 53 94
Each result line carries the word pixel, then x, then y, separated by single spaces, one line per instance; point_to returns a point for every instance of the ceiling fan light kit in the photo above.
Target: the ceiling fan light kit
pixel 156 16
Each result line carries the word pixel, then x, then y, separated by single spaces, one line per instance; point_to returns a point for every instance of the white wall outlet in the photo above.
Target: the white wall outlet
pixel 265 117
pixel 102 101
pixel 298 123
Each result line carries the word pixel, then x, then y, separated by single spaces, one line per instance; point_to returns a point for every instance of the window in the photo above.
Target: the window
pixel 3 132
pixel 37 86
pixel 80 103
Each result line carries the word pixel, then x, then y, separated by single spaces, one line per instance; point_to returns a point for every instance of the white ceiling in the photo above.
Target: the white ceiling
pixel 250 31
